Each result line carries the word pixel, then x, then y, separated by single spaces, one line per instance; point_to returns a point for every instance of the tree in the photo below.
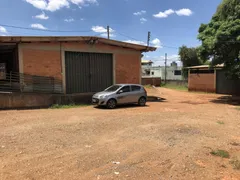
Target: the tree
pixel 189 57
pixel 221 38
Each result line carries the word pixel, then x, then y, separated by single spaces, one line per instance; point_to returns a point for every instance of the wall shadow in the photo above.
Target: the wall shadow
pixel 231 100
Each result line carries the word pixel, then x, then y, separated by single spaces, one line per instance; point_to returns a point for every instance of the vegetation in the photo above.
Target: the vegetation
pixel 58 106
pixel 221 38
pixel 220 122
pixel 235 163
pixel 220 153
pixel 189 57
pixel 176 87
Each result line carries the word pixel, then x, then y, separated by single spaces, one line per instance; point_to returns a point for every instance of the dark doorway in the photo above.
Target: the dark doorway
pixel 88 72
pixel 9 58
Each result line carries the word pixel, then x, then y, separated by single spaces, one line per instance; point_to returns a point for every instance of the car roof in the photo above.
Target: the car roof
pixel 129 85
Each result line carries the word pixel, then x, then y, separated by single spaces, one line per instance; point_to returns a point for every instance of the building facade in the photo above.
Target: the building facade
pixel 82 64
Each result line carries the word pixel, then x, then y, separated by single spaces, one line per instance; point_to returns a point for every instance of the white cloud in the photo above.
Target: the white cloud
pixel 184 12
pixel 156 43
pixel 164 14
pixel 38 26
pixel 83 2
pixel 42 16
pixel 3 30
pixel 69 20
pixel 54 5
pixel 105 35
pixel 135 42
pixel 143 20
pixel 140 13
pixel 101 29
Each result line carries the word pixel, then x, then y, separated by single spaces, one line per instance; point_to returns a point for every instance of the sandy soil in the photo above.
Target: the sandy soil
pixel 169 139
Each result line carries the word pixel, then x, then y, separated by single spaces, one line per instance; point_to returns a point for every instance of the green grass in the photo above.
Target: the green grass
pixel 176 87
pixel 235 163
pixel 59 106
pixel 148 86
pixel 238 108
pixel 220 153
pixel 220 122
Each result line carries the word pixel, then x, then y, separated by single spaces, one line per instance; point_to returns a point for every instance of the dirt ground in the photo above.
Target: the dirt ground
pixel 169 139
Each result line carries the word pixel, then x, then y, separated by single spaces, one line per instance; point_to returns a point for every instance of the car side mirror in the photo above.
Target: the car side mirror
pixel 120 92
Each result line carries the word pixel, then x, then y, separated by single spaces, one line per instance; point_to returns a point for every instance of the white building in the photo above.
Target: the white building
pixel 173 72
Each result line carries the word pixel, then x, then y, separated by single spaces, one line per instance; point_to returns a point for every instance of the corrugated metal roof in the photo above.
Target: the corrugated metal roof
pixel 206 66
pixel 91 39
pixel 146 61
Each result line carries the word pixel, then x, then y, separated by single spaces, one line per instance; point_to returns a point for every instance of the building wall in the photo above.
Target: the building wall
pixel 47 59
pixel 160 72
pixel 201 82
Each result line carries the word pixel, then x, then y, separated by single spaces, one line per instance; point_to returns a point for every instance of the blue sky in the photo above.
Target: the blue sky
pixel 172 23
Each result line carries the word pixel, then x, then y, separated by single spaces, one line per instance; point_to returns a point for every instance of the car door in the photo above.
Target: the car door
pixel 123 95
pixel 136 93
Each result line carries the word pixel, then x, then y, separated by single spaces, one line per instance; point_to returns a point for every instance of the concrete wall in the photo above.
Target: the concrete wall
pixel 48 59
pixel 32 100
pixel 201 82
pixel 151 81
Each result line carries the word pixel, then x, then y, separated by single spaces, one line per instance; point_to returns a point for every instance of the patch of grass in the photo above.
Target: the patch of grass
pixel 59 106
pixel 176 87
pixel 220 153
pixel 148 86
pixel 235 163
pixel 220 122
pixel 238 108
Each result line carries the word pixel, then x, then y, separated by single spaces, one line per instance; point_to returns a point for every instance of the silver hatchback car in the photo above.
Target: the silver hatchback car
pixel 121 94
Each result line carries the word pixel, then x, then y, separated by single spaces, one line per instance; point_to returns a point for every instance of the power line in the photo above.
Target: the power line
pixel 44 30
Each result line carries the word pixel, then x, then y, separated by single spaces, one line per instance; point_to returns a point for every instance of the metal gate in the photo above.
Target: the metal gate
pixel 225 85
pixel 88 72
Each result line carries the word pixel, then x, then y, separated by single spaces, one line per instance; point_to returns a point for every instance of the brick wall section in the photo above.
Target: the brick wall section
pixel 44 59
pixel 201 82
pixel 127 68
pixel 42 63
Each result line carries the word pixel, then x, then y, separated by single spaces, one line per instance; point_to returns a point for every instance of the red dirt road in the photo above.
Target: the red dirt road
pixel 171 139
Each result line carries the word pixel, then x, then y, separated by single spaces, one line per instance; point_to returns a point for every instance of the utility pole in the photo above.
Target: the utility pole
pixel 108 32
pixel 149 37
pixel 165 68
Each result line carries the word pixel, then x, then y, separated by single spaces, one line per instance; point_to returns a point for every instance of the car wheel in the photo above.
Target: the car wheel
pixel 142 101
pixel 111 104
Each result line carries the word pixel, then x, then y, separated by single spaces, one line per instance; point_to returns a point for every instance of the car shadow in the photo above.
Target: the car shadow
pixel 231 100
pixel 155 99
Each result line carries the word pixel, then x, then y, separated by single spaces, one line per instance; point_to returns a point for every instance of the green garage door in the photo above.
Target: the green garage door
pixel 88 72
pixel 225 85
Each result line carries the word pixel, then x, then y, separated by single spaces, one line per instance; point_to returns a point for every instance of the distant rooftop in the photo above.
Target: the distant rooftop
pixel 206 66
pixel 146 61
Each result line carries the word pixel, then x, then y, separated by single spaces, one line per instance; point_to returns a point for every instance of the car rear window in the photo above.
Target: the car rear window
pixel 136 88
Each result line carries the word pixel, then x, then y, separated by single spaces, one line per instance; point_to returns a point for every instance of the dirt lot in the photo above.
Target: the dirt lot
pixel 169 139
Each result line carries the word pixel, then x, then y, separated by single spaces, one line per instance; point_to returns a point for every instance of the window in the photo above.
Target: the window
pixel 177 73
pixel 152 73
pixel 113 88
pixel 135 88
pixel 126 89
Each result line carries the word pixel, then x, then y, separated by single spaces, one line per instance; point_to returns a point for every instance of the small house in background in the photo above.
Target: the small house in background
pixel 211 79
pixel 173 72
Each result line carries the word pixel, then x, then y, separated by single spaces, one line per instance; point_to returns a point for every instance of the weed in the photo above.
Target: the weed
pixel 59 106
pixel 148 86
pixel 176 87
pixel 220 153
pixel 235 163
pixel 220 122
